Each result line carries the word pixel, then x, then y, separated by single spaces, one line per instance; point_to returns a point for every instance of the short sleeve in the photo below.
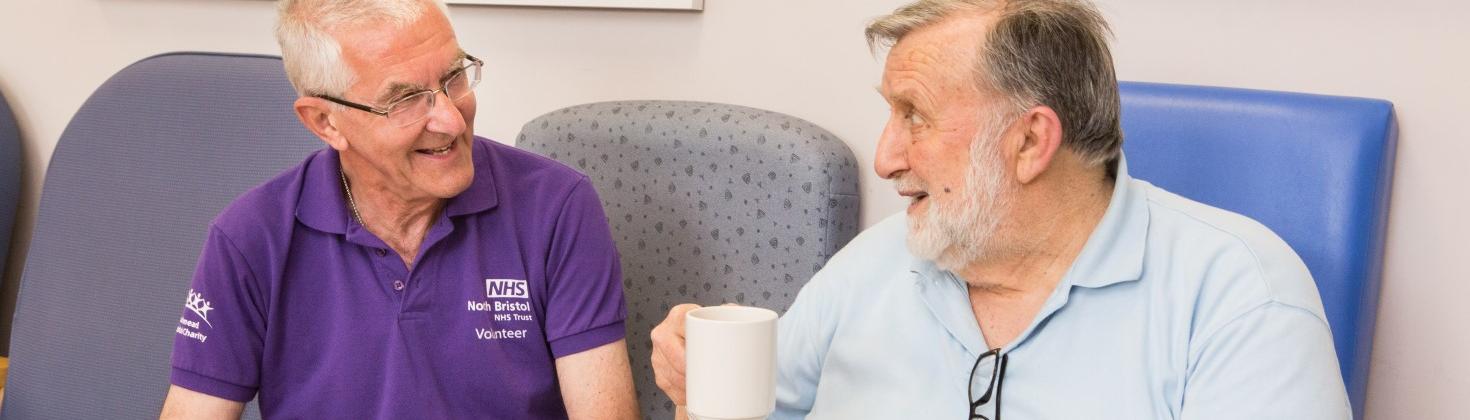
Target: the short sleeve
pixel 585 307
pixel 802 339
pixel 218 337
pixel 1275 361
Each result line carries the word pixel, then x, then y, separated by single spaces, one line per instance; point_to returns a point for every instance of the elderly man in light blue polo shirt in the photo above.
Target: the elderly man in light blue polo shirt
pixel 1031 277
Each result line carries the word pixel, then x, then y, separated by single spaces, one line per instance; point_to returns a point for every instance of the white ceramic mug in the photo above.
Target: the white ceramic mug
pixel 730 362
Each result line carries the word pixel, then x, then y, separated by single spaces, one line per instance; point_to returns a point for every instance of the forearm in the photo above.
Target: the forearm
pixel 598 383
pixel 182 403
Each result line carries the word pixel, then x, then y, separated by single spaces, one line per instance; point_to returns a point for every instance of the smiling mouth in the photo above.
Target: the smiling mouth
pixel 438 151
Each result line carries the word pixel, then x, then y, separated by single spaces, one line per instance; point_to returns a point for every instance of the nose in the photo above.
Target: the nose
pixel 444 117
pixel 892 155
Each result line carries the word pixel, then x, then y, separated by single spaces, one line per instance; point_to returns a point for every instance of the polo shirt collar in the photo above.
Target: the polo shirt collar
pixel 1114 252
pixel 323 206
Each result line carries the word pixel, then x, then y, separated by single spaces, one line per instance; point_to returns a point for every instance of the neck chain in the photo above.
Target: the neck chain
pixel 350 202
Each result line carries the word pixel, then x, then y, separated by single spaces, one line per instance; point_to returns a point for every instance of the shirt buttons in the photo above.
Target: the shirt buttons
pixel 398 285
pixel 382 252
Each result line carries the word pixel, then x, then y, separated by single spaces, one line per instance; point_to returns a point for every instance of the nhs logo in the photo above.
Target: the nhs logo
pixel 506 288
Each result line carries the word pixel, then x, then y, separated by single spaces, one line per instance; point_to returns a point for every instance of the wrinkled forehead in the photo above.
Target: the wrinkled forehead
pixel 383 54
pixel 945 50
pixel 382 37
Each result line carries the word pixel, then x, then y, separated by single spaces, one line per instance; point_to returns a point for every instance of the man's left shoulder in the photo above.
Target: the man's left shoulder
pixel 520 163
pixel 529 177
pixel 1240 259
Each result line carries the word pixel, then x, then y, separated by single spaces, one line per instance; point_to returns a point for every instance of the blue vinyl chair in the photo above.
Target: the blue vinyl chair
pixel 1315 169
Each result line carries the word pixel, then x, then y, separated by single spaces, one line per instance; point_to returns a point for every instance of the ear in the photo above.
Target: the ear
pixel 316 114
pixel 1040 141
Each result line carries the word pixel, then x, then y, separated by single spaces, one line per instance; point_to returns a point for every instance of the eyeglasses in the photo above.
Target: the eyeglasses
pixel 415 106
pixel 993 379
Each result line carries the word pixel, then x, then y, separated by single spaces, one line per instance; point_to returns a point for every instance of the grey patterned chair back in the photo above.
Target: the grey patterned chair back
pixel 136 177
pixel 9 178
pixel 709 203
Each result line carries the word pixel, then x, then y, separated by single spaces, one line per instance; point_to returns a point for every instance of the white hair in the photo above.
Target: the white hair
pixel 313 57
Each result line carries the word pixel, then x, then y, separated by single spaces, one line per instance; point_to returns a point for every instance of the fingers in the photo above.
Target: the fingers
pixel 672 345
pixel 676 314
pixel 670 380
pixel 668 352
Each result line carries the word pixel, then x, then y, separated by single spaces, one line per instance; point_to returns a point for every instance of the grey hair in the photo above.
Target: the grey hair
pixel 1037 52
pixel 313 57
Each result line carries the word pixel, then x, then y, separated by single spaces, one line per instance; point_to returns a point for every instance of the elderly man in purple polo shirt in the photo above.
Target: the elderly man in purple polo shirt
pixel 411 269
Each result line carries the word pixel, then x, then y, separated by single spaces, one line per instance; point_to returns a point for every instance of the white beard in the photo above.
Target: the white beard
pixel 953 233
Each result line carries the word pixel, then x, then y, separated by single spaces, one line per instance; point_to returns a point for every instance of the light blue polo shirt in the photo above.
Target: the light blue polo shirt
pixel 1173 310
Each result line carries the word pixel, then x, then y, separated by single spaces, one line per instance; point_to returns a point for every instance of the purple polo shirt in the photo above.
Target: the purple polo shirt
pixel 294 300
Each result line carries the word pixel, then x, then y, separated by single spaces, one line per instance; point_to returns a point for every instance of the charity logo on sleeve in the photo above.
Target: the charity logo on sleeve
pixel 198 307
